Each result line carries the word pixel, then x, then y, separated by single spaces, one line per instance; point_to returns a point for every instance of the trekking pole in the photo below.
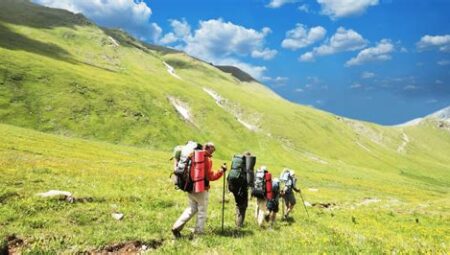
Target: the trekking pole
pixel 223 198
pixel 282 207
pixel 304 206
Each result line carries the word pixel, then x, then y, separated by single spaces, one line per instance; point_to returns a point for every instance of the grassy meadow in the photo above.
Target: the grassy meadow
pixel 88 110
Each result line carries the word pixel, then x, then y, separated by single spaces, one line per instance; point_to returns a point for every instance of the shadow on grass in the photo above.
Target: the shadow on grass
pixel 232 232
pixel 14 41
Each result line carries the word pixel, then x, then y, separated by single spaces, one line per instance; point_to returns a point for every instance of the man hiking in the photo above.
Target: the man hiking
pixel 290 181
pixel 272 204
pixel 239 178
pixel 262 190
pixel 201 173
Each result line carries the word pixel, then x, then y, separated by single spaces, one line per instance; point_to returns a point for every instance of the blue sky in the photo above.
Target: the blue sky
pixel 385 61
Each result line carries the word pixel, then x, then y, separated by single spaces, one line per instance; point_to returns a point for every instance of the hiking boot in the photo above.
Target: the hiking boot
pixel 176 233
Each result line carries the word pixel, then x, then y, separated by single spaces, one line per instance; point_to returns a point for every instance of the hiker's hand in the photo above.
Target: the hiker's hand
pixel 223 167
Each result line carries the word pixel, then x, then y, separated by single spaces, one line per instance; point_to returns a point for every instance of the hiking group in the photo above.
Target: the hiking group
pixel 193 172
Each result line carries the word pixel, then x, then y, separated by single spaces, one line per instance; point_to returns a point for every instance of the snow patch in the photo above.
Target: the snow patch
pixel 114 42
pixel 405 141
pixel 219 100
pixel 248 125
pixel 181 107
pixel 443 115
pixel 235 110
pixel 171 70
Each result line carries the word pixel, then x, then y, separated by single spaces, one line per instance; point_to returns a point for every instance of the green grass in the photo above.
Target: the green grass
pixel 96 120
pixel 136 182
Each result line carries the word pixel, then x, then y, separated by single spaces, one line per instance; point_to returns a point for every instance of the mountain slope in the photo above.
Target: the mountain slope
pixel 63 75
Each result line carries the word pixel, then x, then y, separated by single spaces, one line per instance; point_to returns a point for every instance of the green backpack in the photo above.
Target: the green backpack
pixel 237 175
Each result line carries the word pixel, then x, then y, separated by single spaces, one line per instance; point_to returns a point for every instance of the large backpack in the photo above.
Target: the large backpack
pixel 182 172
pixel 275 186
pixel 287 178
pixel 237 178
pixel 259 187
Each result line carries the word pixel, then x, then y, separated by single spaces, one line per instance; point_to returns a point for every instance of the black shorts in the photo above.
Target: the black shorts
pixel 272 206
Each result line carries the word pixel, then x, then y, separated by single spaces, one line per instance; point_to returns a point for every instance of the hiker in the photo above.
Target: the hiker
pixel 288 177
pixel 239 178
pixel 262 190
pixel 272 204
pixel 201 173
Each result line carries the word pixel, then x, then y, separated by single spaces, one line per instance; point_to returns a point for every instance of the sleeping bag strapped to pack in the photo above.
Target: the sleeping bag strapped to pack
pixel 269 193
pixel 198 174
pixel 259 186
pixel 237 178
pixel 250 162
pixel 182 170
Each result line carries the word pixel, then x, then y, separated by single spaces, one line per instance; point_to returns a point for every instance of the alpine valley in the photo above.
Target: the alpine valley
pixel 95 112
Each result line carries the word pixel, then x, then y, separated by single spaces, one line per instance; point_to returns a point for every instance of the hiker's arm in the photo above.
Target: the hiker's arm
pixel 212 176
pixel 296 190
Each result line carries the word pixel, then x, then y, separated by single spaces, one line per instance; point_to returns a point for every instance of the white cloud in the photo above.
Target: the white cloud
pixel 279 3
pixel 277 81
pixel 342 40
pixel 356 85
pixel 299 90
pixel 265 54
pixel 381 52
pixel 181 31
pixel 442 42
pixel 304 8
pixel 443 62
pixel 132 16
pixel 345 8
pixel 367 75
pixel 301 37
pixel 410 87
pixel 216 38
pixel 439 82
pixel 222 43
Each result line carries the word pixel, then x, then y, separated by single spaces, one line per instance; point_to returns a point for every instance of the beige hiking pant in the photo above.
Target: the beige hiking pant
pixel 260 211
pixel 198 202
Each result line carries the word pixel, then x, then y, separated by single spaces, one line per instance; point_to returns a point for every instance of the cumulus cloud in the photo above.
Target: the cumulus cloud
pixel 279 3
pixel 304 8
pixel 381 52
pixel 265 54
pixel 342 40
pixel 132 16
pixel 222 43
pixel 441 42
pixel 181 31
pixel 345 8
pixel 301 37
